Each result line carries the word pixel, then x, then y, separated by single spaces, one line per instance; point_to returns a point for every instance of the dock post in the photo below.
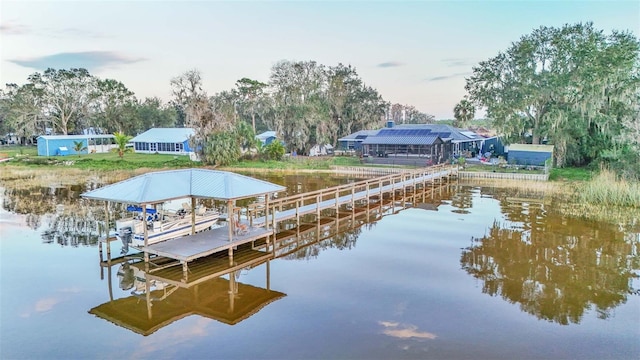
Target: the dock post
pixel 185 270
pixel 266 211
pixel 193 215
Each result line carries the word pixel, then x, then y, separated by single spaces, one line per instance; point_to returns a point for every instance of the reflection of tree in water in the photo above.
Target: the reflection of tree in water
pixel 310 250
pixel 69 220
pixel 462 199
pixel 556 269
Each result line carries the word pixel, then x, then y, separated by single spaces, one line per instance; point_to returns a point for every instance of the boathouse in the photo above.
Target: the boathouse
pixel 164 141
pixel 60 145
pixel 151 189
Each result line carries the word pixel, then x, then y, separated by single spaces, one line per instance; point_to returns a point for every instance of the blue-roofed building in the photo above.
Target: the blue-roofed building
pixel 353 142
pixel 266 137
pixel 61 145
pixel 412 144
pixel 439 142
pixel 164 141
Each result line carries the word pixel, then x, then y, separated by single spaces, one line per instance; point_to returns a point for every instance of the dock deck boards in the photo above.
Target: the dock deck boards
pixel 188 248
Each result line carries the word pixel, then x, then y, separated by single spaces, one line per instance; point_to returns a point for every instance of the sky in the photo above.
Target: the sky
pixel 413 52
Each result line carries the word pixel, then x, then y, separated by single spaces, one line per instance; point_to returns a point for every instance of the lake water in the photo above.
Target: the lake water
pixel 473 273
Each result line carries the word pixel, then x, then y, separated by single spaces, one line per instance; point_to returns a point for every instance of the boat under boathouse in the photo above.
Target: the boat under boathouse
pixel 149 190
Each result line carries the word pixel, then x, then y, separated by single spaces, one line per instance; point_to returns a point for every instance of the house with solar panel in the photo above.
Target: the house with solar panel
pixel 436 143
pixel 164 141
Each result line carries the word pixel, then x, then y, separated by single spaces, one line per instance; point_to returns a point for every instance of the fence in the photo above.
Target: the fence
pixel 502 176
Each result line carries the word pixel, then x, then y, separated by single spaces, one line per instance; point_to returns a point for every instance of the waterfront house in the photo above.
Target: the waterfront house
pixel 164 141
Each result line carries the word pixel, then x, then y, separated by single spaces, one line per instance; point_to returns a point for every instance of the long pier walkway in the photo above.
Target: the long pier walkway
pixel 262 218
pixel 295 206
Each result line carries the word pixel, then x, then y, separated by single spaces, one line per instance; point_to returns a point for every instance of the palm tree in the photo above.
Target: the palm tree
pixel 78 147
pixel 464 111
pixel 121 141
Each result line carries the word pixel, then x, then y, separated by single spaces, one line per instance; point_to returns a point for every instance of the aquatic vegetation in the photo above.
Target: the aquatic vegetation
pixel 606 189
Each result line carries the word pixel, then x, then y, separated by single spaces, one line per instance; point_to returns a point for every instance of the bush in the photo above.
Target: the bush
pixel 274 151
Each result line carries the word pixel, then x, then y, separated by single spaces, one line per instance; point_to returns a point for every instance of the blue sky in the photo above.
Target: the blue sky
pixel 415 53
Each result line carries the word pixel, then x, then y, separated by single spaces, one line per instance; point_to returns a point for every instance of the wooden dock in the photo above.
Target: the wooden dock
pixel 263 219
pixel 295 206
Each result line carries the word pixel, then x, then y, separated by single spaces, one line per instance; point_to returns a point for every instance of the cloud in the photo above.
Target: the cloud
pixel 90 60
pixel 14 28
pixel 404 331
pixel 11 28
pixel 389 64
pixel 452 62
pixel 445 77
pixel 46 304
pixel 71 32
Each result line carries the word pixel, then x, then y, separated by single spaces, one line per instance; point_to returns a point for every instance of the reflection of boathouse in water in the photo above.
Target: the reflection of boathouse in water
pixel 162 292
pixel 162 297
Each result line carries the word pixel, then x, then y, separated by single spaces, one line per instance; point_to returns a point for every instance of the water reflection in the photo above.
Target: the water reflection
pixel 556 268
pixel 211 290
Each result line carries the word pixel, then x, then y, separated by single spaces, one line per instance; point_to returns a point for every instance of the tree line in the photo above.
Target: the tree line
pixel 306 103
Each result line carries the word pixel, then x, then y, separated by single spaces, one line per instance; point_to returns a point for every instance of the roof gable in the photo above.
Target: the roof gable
pixel 161 186
pixel 167 135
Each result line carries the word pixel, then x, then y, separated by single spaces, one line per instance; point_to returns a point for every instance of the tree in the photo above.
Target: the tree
pixel 250 93
pixel 188 94
pixel 78 147
pixel 153 113
pixel 115 107
pixel 121 141
pixel 66 95
pixel 573 86
pixel 21 109
pixel 464 111
pixel 297 94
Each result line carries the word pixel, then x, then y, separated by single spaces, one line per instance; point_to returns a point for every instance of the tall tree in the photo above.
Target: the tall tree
pixel 115 107
pixel 153 113
pixel 21 108
pixel 463 112
pixel 250 93
pixel 66 95
pixel 573 86
pixel 297 91
pixel 188 94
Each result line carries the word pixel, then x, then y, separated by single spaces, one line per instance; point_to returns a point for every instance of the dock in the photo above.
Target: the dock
pixel 270 220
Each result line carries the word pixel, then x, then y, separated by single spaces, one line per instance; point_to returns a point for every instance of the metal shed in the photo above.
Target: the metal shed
pixel 529 154
pixel 50 145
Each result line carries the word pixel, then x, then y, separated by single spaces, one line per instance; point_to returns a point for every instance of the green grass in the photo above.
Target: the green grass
pixel 298 163
pixel 571 174
pixel 17 150
pixel 102 161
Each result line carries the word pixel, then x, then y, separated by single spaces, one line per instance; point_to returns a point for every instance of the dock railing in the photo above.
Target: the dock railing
pixel 318 200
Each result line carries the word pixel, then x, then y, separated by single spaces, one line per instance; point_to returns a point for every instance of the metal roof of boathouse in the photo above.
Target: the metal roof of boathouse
pixel 161 186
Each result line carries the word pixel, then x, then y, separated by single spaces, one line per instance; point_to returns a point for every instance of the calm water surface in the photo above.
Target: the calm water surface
pixel 473 273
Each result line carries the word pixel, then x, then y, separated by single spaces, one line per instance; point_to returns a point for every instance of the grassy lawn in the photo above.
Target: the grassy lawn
pixel 27 156
pixel 571 174
pixel 13 150
pixel 298 163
